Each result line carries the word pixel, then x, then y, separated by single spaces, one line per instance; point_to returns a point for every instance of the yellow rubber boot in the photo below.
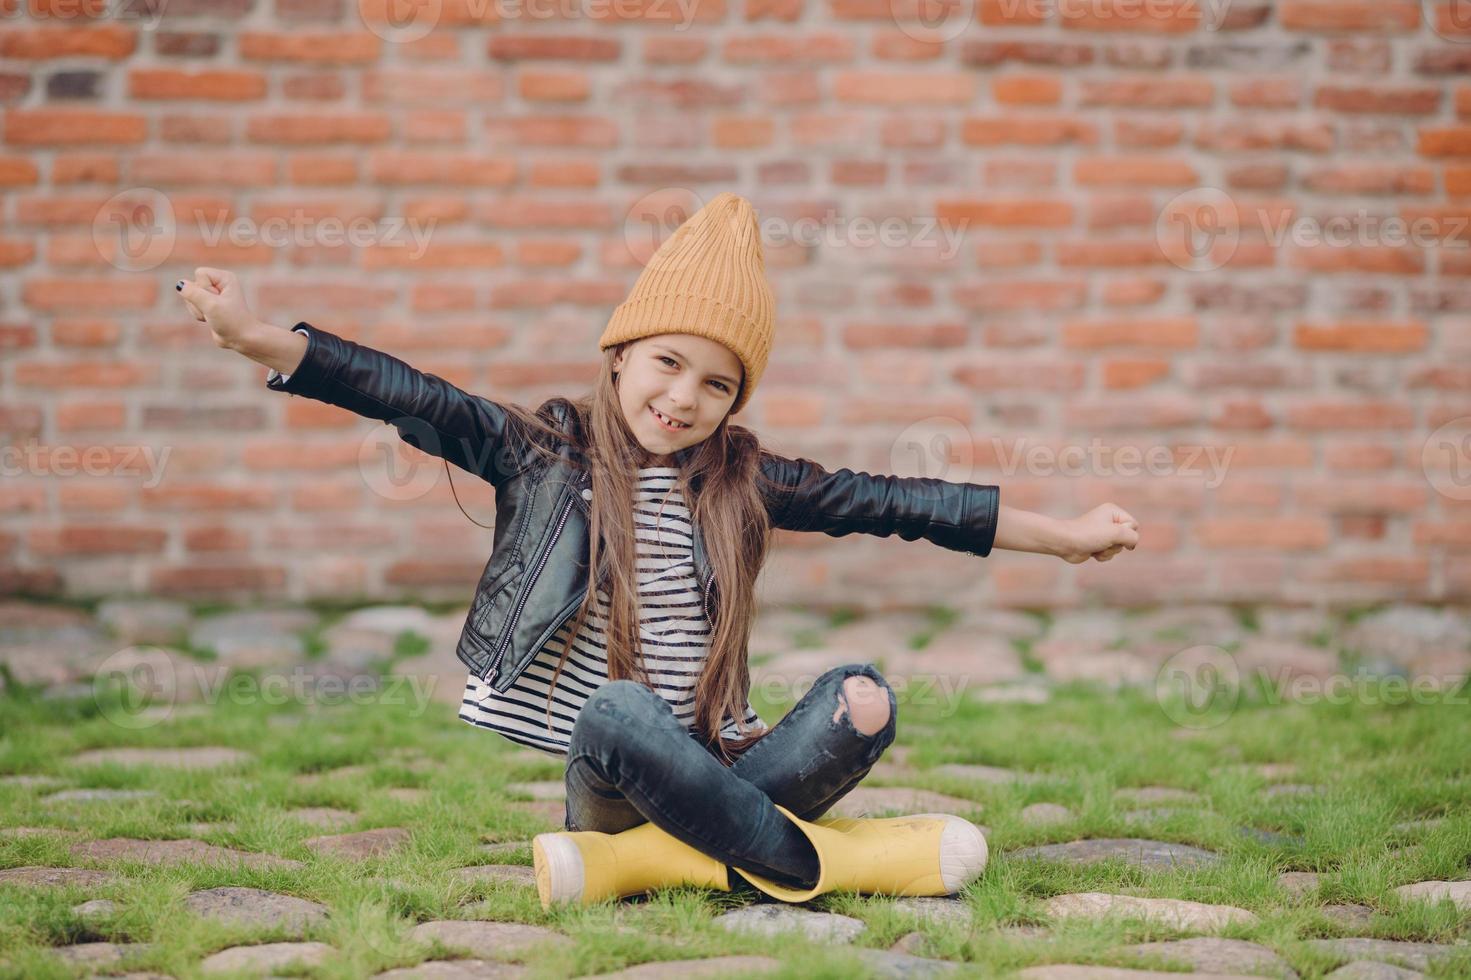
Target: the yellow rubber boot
pixel 585 866
pixel 923 854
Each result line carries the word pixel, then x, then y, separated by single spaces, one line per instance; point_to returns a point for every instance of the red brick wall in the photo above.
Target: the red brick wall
pixel 1055 139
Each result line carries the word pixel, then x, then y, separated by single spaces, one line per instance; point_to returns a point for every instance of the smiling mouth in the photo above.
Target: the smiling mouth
pixel 667 425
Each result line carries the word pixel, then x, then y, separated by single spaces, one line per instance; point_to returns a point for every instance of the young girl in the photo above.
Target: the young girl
pixel 671 778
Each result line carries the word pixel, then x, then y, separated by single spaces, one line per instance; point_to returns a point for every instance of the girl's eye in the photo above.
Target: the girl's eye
pixel 725 389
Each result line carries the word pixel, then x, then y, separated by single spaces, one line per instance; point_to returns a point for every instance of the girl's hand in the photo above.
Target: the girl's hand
pixel 215 298
pixel 1101 533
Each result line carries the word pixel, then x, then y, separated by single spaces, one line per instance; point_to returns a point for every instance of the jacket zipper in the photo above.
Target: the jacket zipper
pixel 709 580
pixel 493 667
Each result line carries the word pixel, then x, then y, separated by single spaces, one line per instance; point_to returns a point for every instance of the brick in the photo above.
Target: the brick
pixel 1134 372
pixel 95 539
pixel 1420 100
pixel 1270 534
pixel 1141 16
pixel 1349 15
pixel 1006 213
pixel 220 86
pixel 880 88
pixel 73 127
pixel 1176 333
pixel 1150 92
pixel 1027 90
pixel 311 47
pixel 1370 414
pixel 1377 337
pixel 1370 178
pixel 109 41
pixel 1027 131
pixel 1134 171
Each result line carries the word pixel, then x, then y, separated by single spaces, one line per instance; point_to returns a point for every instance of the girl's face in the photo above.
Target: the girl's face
pixel 687 378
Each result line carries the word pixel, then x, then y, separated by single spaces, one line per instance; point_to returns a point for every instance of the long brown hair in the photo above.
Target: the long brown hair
pixel 720 482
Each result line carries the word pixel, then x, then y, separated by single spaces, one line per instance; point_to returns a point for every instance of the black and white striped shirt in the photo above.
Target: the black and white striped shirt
pixel 673 629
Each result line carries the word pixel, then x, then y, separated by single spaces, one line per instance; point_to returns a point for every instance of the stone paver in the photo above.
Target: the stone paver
pixel 201 757
pixel 772 919
pixel 360 845
pixel 1212 954
pixel 540 790
pixel 175 852
pixel 1291 789
pixel 407 794
pixel 1133 850
pixel 505 848
pixel 1458 892
pixel 1417 955
pixel 488 940
pixel 95 957
pixel 1369 970
pixel 517 874
pixel 954 661
pixel 986 774
pixel 1175 913
pixel 716 966
pixel 1418 826
pixel 946 911
pixel 549 811
pixel 97 908
pixel 1355 917
pixel 1263 770
pixel 887 963
pixel 254 907
pixel 264 957
pixel 1045 814
pixel 878 801
pixel 1145 795
pixel 37 876
pixel 1298 883
pixel 456 970
pixel 98 795
pixel 38 784
pixel 1073 971
pixel 144 620
pixel 18 832
pixel 322 817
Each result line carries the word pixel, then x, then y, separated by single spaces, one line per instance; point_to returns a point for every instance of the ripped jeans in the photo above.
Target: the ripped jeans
pixel 631 761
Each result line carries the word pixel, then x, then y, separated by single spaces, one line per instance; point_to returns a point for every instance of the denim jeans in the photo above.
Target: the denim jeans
pixel 631 761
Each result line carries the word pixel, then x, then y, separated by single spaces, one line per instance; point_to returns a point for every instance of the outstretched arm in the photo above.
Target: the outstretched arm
pixel 1100 534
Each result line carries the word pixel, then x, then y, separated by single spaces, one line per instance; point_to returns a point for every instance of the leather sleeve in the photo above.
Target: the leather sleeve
pixel 806 497
pixel 430 414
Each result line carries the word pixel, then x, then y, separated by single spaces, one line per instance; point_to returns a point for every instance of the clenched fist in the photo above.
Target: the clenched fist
pixel 215 298
pixel 1100 534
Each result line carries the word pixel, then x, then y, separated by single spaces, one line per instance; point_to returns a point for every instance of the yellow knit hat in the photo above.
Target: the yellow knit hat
pixel 709 279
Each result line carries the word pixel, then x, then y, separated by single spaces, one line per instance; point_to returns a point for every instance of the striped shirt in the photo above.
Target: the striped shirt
pixel 673 629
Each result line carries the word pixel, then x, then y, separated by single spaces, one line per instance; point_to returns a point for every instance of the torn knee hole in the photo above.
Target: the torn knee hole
pixel 872 705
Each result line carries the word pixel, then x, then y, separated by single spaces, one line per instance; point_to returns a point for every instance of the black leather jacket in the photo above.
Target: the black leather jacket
pixel 537 572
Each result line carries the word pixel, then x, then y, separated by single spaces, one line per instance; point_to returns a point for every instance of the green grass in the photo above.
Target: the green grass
pixel 1379 764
